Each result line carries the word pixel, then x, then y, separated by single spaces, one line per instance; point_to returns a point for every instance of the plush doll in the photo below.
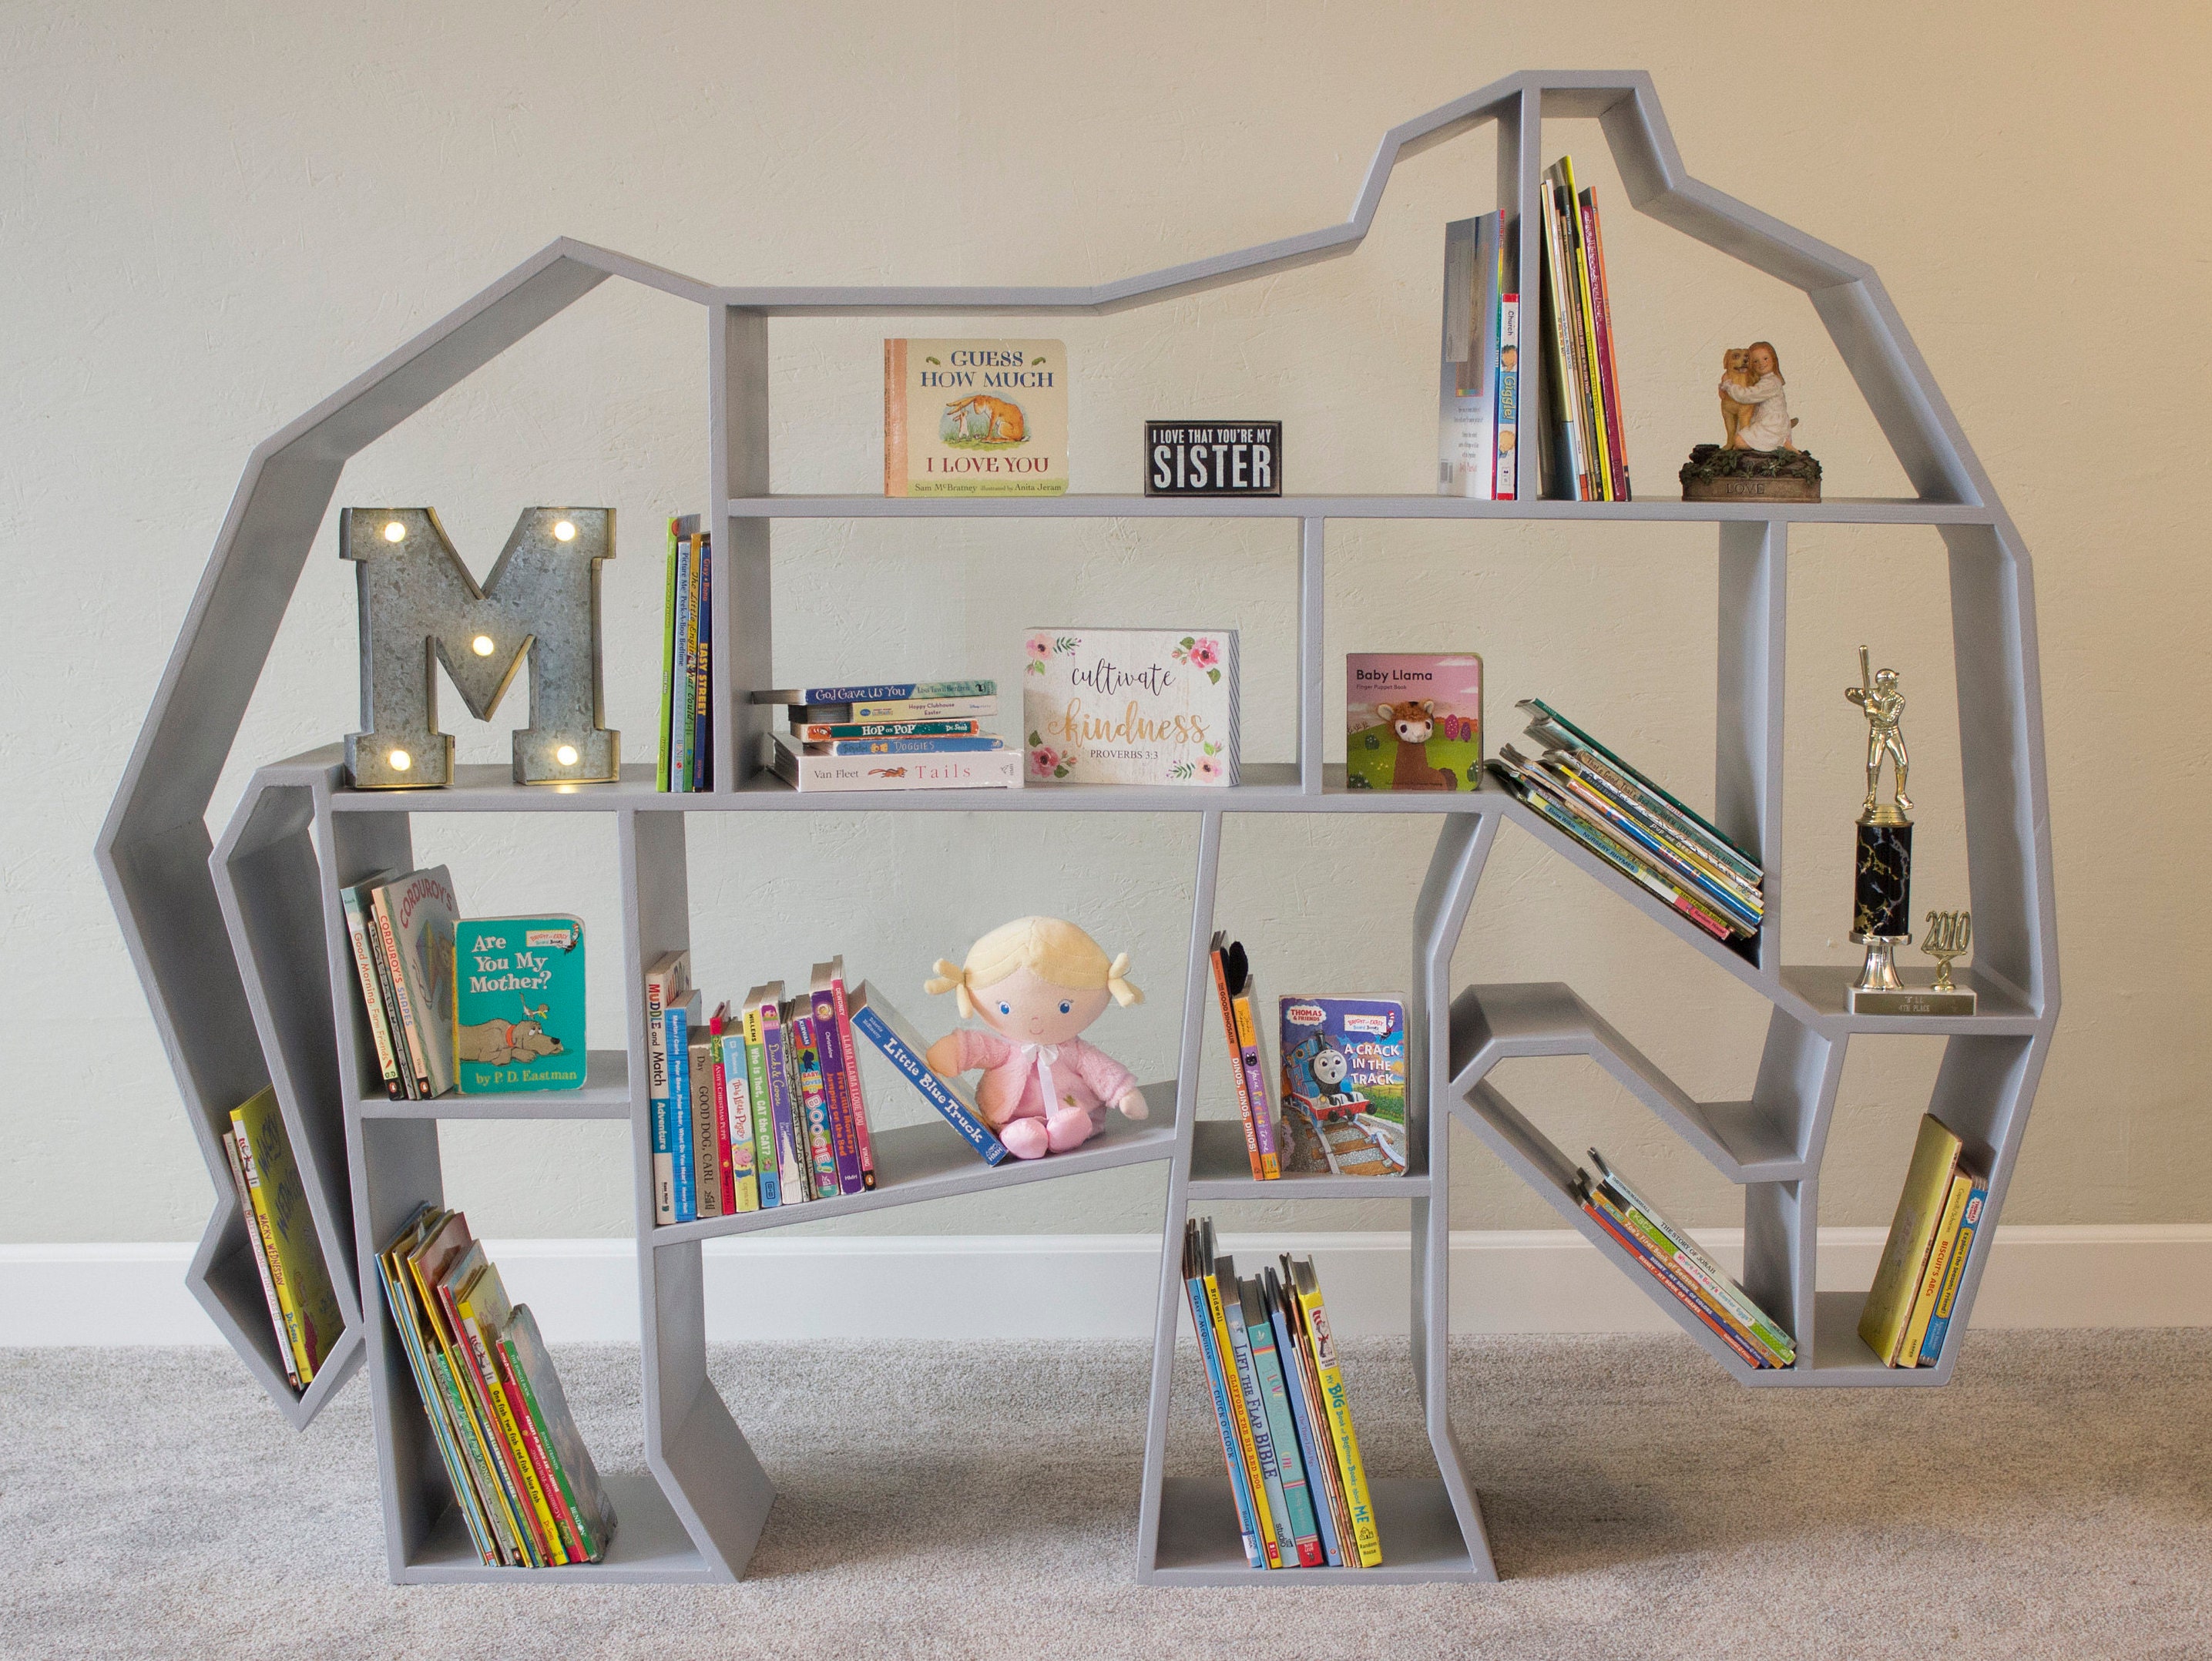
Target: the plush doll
pixel 1037 983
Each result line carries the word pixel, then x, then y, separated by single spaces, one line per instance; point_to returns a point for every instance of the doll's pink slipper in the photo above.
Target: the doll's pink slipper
pixel 1026 1138
pixel 1070 1127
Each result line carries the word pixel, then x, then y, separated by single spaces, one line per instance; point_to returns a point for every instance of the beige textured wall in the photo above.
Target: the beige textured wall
pixel 209 216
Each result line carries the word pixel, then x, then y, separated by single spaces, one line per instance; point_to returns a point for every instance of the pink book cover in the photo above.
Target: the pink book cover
pixel 1412 721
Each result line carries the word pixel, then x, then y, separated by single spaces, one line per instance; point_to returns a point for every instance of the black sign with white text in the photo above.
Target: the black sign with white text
pixel 1213 458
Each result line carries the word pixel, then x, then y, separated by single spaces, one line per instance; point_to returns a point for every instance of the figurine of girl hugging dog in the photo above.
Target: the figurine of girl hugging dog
pixel 1037 982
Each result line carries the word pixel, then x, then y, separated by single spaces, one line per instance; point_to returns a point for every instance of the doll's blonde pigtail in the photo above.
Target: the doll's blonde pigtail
pixel 952 977
pixel 1117 982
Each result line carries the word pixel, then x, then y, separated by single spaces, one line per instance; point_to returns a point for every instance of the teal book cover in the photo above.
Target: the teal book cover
pixel 518 1004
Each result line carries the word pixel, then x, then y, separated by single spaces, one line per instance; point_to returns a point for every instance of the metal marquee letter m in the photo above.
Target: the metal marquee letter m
pixel 419 607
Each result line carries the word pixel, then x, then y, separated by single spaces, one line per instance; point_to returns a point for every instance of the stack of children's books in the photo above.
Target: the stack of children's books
pixel 1908 1313
pixel 762 1106
pixel 280 1229
pixel 685 760
pixel 521 1475
pixel 1343 1078
pixel 1588 445
pixel 1685 1268
pixel 402 929
pixel 1279 1402
pixel 891 735
pixel 1635 826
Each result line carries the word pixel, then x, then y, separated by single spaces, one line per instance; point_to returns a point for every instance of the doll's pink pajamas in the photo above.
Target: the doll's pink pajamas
pixel 1084 1083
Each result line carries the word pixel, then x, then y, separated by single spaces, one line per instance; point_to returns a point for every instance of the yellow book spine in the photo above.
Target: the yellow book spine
pixel 260 1221
pixel 1931 1279
pixel 1255 1479
pixel 306 1280
pixel 895 473
pixel 1912 1233
pixel 1578 246
pixel 1356 1496
pixel 548 1526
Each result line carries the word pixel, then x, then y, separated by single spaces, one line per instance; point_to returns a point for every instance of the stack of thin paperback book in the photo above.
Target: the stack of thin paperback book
pixel 686 759
pixel 1673 1258
pixel 891 735
pixel 280 1230
pixel 401 925
pixel 1587 444
pixel 1286 1434
pixel 1908 1311
pixel 1635 826
pixel 521 1475
pixel 762 1106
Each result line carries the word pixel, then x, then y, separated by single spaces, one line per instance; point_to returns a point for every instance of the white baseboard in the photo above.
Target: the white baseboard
pixel 1101 1286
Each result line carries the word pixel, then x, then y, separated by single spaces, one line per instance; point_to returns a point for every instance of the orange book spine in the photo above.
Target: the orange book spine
pixel 1236 1063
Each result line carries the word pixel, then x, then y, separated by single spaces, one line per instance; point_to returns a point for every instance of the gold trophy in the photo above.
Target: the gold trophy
pixel 1882 900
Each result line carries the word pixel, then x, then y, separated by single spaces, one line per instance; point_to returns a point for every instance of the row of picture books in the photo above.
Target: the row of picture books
pixel 763 1105
pixel 280 1232
pixel 1673 1256
pixel 685 760
pixel 521 1476
pixel 1343 1077
pixel 483 1005
pixel 889 735
pixel 1635 825
pixel 1583 442
pixel 1279 1404
pixel 1908 1311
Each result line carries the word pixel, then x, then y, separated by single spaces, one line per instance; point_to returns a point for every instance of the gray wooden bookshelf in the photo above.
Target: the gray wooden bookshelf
pixel 241 947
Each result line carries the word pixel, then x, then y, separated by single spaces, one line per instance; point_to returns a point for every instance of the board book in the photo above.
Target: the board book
pixel 1412 721
pixel 974 417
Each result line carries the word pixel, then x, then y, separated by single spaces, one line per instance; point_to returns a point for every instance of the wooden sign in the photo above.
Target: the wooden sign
pixel 1213 458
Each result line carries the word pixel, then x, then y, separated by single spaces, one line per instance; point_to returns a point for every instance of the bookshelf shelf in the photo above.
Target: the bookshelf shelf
pixel 1837 510
pixel 921 1162
pixel 605 1095
pixel 1221 1169
pixel 1198 1544
pixel 242 948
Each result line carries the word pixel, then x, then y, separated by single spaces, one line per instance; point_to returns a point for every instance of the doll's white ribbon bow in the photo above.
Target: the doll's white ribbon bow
pixel 1041 1056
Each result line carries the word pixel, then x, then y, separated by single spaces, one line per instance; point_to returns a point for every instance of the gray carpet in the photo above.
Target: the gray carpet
pixel 981 1500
